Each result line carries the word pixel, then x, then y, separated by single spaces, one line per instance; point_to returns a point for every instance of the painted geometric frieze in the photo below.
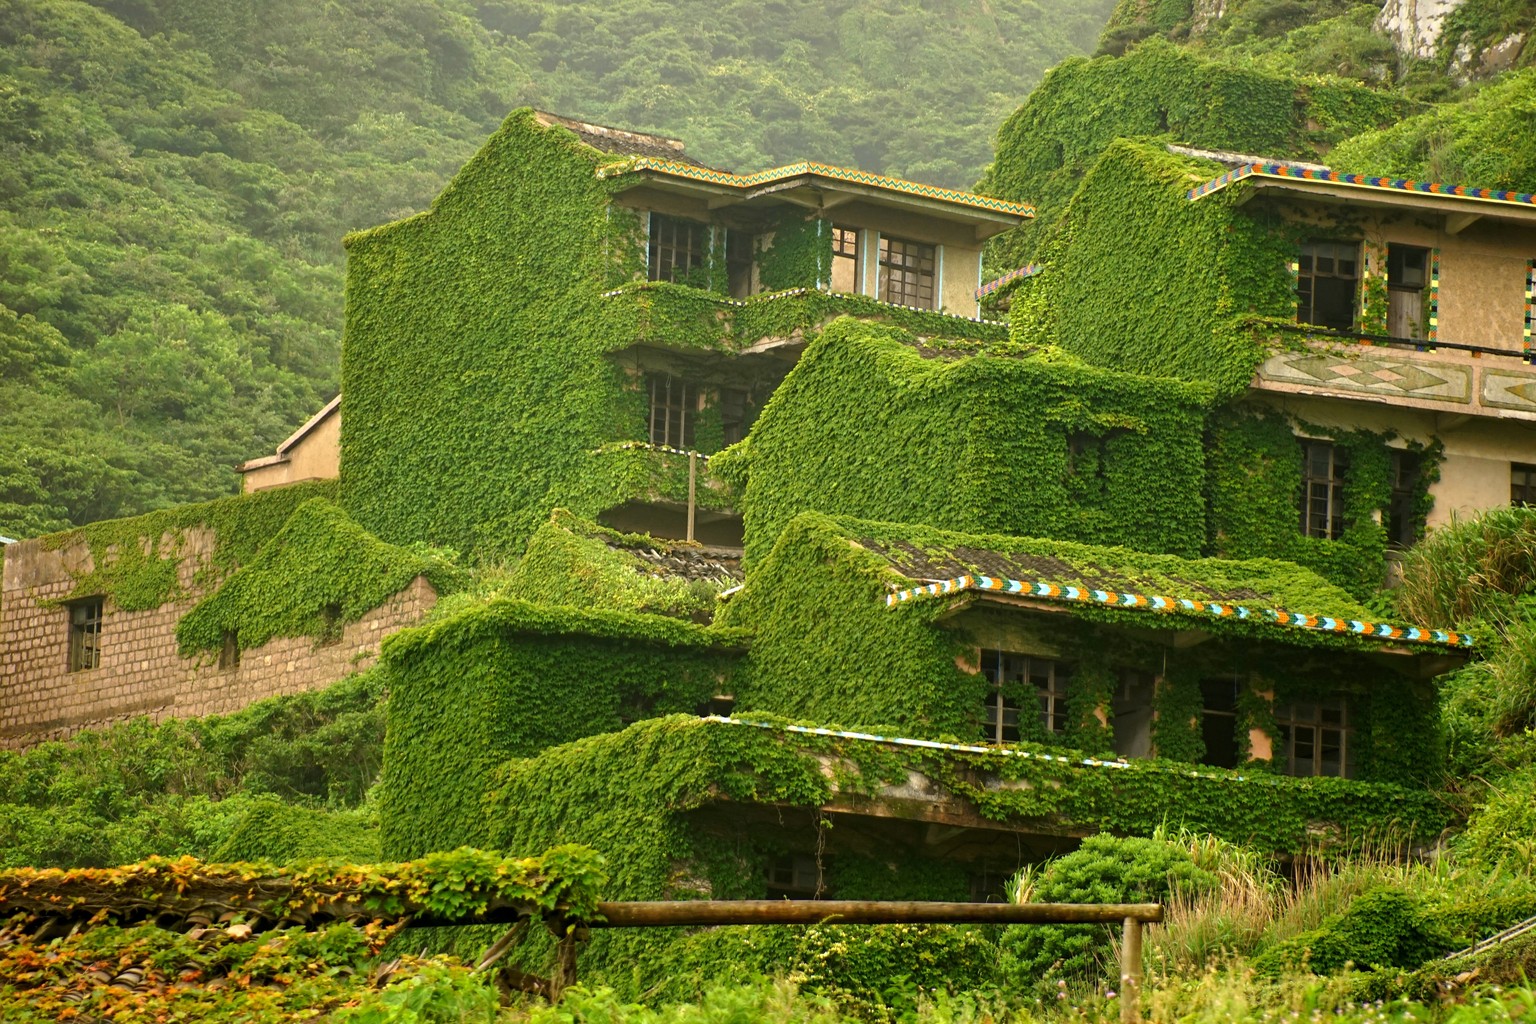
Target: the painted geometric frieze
pixel 1389 375
pixel 1509 389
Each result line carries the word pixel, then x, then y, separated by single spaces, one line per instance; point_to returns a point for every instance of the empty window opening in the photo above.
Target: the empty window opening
pixel 84 634
pixel 739 260
pixel 229 654
pixel 1522 484
pixel 1327 282
pixel 1322 489
pixel 1316 738
pixel 845 259
pixel 678 247
pixel 1131 713
pixel 721 704
pixel 674 405
pixel 330 625
pixel 1407 274
pixel 736 414
pixel 1218 722
pixel 1015 678
pixel 1402 510
pixel 795 877
pixel 907 271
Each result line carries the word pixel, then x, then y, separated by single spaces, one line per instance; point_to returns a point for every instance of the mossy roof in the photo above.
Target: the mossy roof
pixel 923 555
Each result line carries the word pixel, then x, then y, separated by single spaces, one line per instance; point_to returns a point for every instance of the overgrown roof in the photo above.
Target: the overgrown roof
pixel 1263 591
pixel 620 141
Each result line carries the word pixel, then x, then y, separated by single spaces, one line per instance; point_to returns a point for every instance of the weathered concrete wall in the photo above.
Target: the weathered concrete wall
pixel 140 672
pixel 315 456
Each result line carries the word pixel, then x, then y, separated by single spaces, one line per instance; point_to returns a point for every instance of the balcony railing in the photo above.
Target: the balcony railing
pixel 678 316
pixel 1473 380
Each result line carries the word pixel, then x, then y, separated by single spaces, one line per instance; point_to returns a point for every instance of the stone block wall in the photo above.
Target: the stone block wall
pixel 140 671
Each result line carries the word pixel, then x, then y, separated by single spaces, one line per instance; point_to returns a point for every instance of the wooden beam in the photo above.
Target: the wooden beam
pixel 1455 223
pixel 674 913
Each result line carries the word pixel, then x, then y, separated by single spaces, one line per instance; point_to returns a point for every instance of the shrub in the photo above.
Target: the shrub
pixel 1384 928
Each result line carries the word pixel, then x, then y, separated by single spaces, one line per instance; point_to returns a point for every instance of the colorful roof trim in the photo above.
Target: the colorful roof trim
pixel 1288 171
pixel 1007 279
pixel 1217 609
pixel 777 174
pixel 789 293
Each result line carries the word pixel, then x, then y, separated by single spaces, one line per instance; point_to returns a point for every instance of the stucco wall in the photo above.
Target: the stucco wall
pixel 140 672
pixel 1474 474
pixel 317 456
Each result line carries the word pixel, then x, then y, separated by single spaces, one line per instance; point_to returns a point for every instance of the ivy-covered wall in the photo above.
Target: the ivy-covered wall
pixel 1009 440
pixel 472 361
pixel 320 572
pixel 1141 279
pixel 511 678
pixel 1158 89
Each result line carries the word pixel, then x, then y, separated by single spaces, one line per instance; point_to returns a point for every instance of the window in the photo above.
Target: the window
pixel 331 625
pixel 1522 484
pixel 1322 489
pixel 907 272
pixel 673 404
pixel 1402 516
pixel 678 247
pixel 845 260
pixel 1218 721
pixel 739 254
pixel 229 654
pixel 794 876
pixel 1328 276
pixel 1315 738
pixel 1407 273
pixel 84 634
pixel 1014 678
pixel 736 414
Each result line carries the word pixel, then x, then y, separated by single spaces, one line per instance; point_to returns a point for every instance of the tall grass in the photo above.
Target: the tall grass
pixel 1469 569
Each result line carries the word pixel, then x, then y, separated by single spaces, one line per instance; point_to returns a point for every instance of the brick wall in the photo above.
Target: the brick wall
pixel 140 672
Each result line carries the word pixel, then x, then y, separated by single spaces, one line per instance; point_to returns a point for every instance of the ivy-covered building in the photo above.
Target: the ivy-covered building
pixel 1368 339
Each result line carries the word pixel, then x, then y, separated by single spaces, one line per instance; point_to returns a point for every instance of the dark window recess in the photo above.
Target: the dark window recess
pixel 794 877
pixel 1014 678
pixel 84 634
pixel 1402 516
pixel 1218 722
pixel 1131 713
pixel 1327 281
pixel 907 272
pixel 736 414
pixel 674 404
pixel 678 247
pixel 739 258
pixel 229 654
pixel 1315 738
pixel 330 625
pixel 1522 484
pixel 1323 469
pixel 1407 274
pixel 721 704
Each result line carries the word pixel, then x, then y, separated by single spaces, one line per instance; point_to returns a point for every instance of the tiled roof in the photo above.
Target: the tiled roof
pixel 775 175
pixel 1362 181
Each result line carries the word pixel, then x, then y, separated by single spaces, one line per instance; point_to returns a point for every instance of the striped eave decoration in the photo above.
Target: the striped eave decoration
pixel 1364 181
pixel 1002 282
pixel 1158 603
pixel 775 174
pixel 1530 311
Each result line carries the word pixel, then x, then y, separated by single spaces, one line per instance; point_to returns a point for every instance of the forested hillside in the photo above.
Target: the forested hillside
pixel 176 177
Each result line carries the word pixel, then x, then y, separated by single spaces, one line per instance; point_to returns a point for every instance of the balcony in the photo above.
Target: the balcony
pixel 653 483
pixel 677 316
pixel 1470 380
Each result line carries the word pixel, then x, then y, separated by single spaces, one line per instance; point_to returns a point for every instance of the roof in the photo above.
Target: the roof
pixel 1259 592
pixel 326 412
pixel 619 141
pixel 1464 200
pixel 778 180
